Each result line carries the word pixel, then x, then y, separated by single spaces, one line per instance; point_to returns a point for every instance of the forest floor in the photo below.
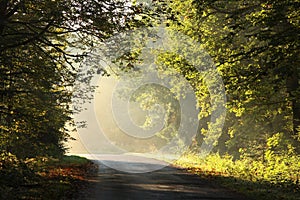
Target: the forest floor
pixel 77 178
pixel 52 179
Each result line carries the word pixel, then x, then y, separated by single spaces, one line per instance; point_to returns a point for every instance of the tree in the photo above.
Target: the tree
pixel 37 68
pixel 255 47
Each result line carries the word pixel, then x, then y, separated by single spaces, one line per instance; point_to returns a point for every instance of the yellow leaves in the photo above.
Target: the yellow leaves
pixel 269 155
pixel 279 110
pixel 231 133
pixel 248 92
pixel 238 109
pixel 258 15
pixel 267 6
pixel 43 113
pixel 274 140
pixel 4 128
pixel 294 17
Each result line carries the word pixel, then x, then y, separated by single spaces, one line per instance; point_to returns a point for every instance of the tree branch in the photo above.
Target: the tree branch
pixel 30 39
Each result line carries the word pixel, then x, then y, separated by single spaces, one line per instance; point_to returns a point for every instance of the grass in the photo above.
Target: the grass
pixel 68 161
pixel 244 176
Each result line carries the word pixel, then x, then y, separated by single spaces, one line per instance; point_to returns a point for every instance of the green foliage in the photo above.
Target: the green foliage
pixel 38 68
pixel 42 177
pixel 68 161
pixel 255 48
pixel 254 45
pixel 13 171
pixel 278 173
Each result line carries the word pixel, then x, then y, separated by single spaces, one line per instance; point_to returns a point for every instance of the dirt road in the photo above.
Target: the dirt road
pixel 166 183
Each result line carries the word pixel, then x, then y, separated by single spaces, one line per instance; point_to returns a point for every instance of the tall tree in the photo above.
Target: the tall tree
pixel 255 45
pixel 37 68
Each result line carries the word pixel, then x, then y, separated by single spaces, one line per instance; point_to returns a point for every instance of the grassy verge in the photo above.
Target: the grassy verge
pixel 45 178
pixel 257 180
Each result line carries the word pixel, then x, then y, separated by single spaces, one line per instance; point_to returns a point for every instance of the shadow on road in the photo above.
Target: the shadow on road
pixel 165 183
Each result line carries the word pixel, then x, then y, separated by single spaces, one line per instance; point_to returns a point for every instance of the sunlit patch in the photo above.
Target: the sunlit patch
pixel 146 107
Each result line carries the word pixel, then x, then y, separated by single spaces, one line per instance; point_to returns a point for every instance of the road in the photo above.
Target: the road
pixel 166 183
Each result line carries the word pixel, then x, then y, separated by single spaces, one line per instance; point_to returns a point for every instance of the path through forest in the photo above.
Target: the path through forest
pixel 166 183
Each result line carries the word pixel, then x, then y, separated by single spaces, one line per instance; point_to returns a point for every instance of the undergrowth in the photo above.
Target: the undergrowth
pixel 42 177
pixel 277 177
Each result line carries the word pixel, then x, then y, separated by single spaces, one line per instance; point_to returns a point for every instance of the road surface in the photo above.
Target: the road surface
pixel 168 183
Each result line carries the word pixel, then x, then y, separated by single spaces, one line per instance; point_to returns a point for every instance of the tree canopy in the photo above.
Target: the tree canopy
pixel 254 45
pixel 37 67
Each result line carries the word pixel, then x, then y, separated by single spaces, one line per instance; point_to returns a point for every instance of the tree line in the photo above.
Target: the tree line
pixel 254 45
pixel 37 69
